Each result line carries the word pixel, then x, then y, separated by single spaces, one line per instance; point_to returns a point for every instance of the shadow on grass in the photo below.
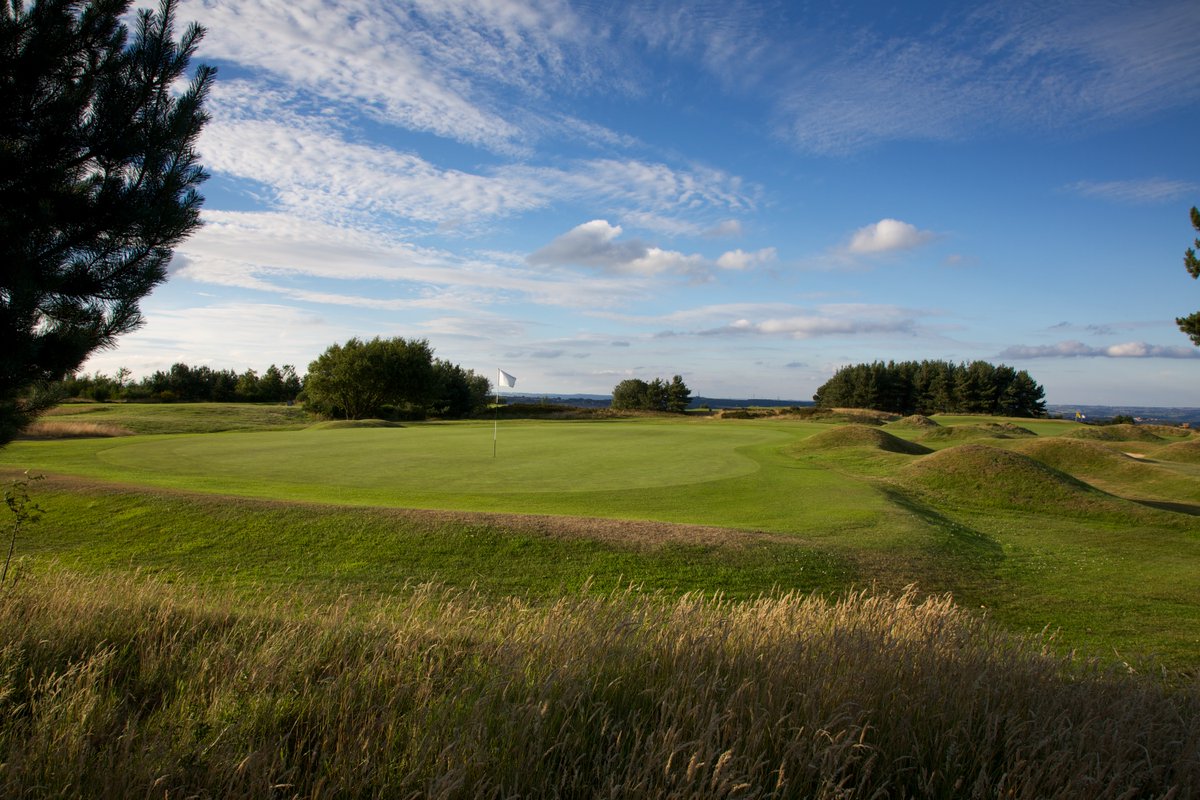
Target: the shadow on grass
pixel 957 539
pixel 1164 505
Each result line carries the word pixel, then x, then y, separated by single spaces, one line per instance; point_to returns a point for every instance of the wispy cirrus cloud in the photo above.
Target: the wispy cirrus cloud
pixel 1024 66
pixel 443 68
pixel 1077 349
pixel 1148 190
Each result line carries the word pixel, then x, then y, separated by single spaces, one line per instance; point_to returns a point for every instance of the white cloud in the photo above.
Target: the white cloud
pixel 741 260
pixel 594 244
pixel 1076 349
pixel 850 319
pixel 299 259
pixel 241 335
pixel 1149 190
pixel 435 67
pixel 887 236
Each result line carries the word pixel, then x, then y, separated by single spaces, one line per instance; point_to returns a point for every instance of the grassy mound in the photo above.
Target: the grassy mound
pixel 1120 433
pixel 135 691
pixel 975 474
pixel 862 436
pixel 339 424
pixel 985 430
pixel 914 422
pixel 1188 452
pixel 1077 456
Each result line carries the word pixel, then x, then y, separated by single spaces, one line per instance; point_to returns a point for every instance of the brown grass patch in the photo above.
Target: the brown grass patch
pixel 56 429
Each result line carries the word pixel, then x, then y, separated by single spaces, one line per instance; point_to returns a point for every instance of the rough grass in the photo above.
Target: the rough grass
pixel 1188 451
pixel 1128 433
pixel 58 429
pixel 133 690
pixel 147 418
pixel 985 430
pixel 914 422
pixel 861 436
pixel 975 474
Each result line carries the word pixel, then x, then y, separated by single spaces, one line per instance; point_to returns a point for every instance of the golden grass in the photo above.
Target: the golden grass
pixel 57 429
pixel 134 689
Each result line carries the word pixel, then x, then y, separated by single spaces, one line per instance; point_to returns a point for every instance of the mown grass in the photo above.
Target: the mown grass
pixel 123 688
pixel 1110 558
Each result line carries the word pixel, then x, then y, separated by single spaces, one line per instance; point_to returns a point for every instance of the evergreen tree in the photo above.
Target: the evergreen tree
pixel 98 179
pixel 1191 324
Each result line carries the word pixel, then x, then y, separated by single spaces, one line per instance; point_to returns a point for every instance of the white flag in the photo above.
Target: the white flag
pixel 505 379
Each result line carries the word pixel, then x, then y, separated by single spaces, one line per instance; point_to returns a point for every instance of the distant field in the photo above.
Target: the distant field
pixel 1039 522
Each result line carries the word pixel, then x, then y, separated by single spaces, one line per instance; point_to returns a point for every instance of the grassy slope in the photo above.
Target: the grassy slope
pixel 1110 572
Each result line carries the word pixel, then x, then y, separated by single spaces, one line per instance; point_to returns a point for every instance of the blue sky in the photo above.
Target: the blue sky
pixel 748 194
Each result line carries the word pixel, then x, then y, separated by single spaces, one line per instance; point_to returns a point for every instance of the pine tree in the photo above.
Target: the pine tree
pixel 1191 324
pixel 98 178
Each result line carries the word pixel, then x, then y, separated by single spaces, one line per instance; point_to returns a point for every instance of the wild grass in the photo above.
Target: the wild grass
pixel 53 429
pixel 149 418
pixel 129 688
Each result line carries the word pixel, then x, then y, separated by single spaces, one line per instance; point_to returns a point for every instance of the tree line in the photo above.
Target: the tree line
pixel 184 383
pixel 391 378
pixel 929 387
pixel 656 395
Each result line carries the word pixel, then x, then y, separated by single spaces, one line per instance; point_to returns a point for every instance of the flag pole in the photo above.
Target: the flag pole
pixel 496 422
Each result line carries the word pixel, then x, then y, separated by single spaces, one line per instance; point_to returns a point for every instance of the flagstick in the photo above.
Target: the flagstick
pixel 496 423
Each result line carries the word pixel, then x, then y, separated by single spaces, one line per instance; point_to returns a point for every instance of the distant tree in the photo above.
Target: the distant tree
pixel 934 386
pixel 457 392
pixel 635 394
pixel 679 396
pixel 356 380
pixel 1191 324
pixel 98 178
pixel 630 394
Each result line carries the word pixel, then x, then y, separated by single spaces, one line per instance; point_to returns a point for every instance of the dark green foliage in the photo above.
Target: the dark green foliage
pixel 930 387
pixel 356 380
pixel 1191 323
pixel 657 395
pixel 98 177
pixel 457 392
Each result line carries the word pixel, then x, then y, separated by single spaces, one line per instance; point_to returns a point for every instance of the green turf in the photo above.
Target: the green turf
pixel 1069 533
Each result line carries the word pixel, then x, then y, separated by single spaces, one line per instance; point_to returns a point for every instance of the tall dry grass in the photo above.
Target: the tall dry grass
pixel 59 429
pixel 129 689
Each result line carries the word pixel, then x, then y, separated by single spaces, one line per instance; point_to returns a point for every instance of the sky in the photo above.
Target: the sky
pixel 750 195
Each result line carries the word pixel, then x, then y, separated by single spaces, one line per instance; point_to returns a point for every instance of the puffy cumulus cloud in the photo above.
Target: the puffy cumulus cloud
pixel 741 260
pixel 887 236
pixel 594 244
pixel 1077 349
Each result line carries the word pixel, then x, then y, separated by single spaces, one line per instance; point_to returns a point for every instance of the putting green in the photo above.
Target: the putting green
pixel 439 459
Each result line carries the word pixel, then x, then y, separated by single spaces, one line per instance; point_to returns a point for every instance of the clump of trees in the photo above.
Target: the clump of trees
pixel 391 378
pixel 929 387
pixel 657 395
pixel 98 181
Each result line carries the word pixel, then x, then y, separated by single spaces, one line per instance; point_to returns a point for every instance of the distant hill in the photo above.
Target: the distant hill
pixel 1143 414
